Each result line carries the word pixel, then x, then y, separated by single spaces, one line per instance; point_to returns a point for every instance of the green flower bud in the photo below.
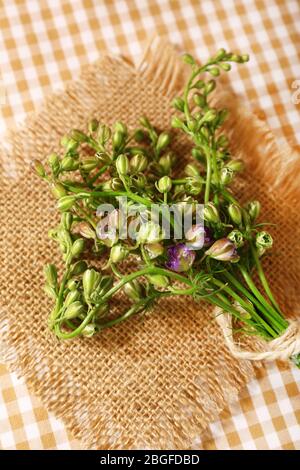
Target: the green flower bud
pixel 253 209
pixel 58 190
pixel 178 104
pixel 138 163
pixel 235 213
pixel 209 116
pixel 164 184
pixel 191 170
pixel 78 268
pixel 66 220
pixel 68 143
pixel 222 116
pixel 235 165
pixel 144 121
pixel 214 71
pixel 118 140
pixel 103 157
pixel 50 292
pixel 163 141
pixel 90 281
pixel 192 124
pixel 225 66
pixel 236 237
pixel 116 184
pixel 134 290
pixel 139 181
pixel 51 274
pixel 199 100
pixel 220 54
pixel 89 330
pixel 154 250
pixel 165 162
pixel 65 203
pixel 176 122
pixel 121 127
pixel 158 280
pixel 226 175
pixel 245 57
pixel 223 142
pixel 199 84
pixel 78 136
pixel 69 164
pixel 118 253
pixel 74 310
pixel 103 134
pixel 139 135
pixel 89 164
pixel 72 284
pixel 72 296
pixel 210 213
pixel 54 162
pixel 263 240
pixel 93 125
pixel 122 165
pixel 77 247
pixel 39 169
pixel 188 59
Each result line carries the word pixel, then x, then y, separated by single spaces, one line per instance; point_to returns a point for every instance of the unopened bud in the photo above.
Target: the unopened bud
pixel 235 165
pixel 118 253
pixel 66 220
pixel 163 141
pixel 191 170
pixel 39 169
pixel 210 213
pixel 214 71
pixel 235 213
pixel 78 268
pixel 226 175
pixel 138 163
pixel 89 330
pixel 154 250
pixel 86 230
pixel 50 274
pixel 89 164
pixel 253 209
pixel 71 297
pixel 93 125
pixel 65 203
pixel 74 310
pixel 178 104
pixel 77 247
pixel 122 165
pixel 58 190
pixel 118 140
pixel 164 184
pixel 134 290
pixel 90 281
pixel 176 123
pixel 69 164
pixel 78 135
pixel 158 280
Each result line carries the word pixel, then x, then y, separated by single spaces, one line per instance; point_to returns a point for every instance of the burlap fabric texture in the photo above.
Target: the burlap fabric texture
pixel 158 380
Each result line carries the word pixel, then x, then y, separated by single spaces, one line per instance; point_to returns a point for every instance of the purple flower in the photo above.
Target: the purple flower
pixel 180 258
pixel 198 237
pixel 223 250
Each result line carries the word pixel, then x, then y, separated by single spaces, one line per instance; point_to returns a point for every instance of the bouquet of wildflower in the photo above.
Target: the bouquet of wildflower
pixel 123 204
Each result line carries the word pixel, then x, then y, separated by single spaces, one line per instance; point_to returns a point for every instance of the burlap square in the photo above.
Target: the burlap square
pixel 157 380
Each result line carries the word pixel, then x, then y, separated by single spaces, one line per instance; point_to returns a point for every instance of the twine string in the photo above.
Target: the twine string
pixel 283 347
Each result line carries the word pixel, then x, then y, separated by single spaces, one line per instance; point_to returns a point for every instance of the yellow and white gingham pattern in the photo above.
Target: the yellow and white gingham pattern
pixel 44 43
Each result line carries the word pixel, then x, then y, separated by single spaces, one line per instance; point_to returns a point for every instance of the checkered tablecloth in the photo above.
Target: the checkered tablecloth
pixel 43 44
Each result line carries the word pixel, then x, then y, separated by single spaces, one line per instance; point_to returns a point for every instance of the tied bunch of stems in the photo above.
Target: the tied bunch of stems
pixel 215 262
